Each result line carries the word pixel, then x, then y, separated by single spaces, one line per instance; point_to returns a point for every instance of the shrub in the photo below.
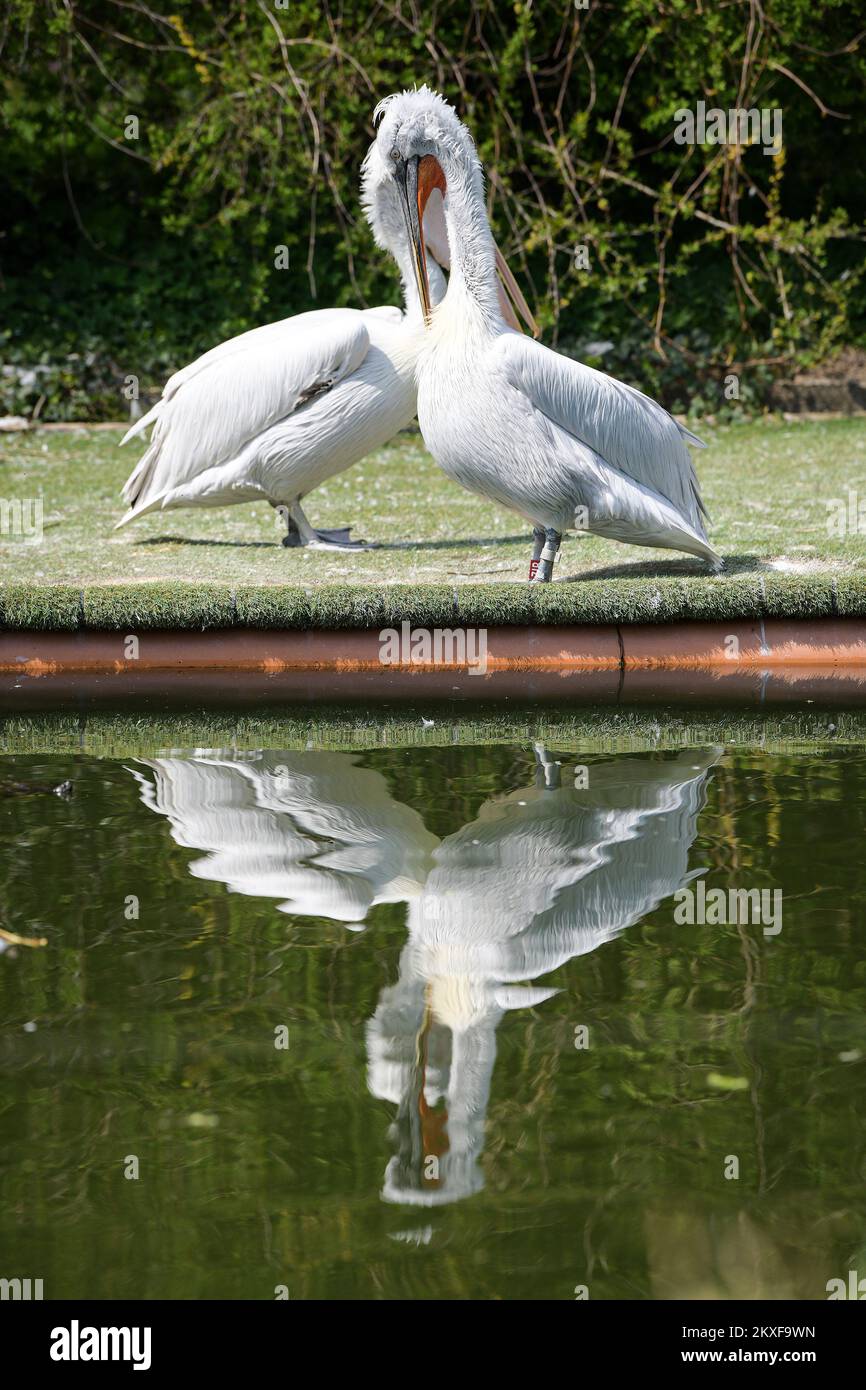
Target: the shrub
pixel 128 250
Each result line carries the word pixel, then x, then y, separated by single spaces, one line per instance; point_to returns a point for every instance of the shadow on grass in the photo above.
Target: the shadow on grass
pixel 672 569
pixel 636 569
pixel 473 541
pixel 467 544
pixel 203 540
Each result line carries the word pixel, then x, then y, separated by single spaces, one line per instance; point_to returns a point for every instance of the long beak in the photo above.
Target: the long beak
pixel 406 175
pixel 512 295
pixel 413 199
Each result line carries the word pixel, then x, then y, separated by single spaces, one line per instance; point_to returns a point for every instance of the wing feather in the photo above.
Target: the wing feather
pixel 210 409
pixel 629 430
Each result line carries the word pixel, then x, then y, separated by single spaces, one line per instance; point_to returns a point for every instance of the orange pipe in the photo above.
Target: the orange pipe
pixel 718 647
pixel 751 663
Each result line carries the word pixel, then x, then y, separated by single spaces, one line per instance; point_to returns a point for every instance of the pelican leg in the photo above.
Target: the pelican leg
pixel 300 532
pixel 541 571
pixel 292 538
pixel 537 547
pixel 548 774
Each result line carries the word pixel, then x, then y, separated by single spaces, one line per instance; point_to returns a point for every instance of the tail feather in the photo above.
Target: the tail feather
pixel 691 438
pixel 138 479
pixel 141 424
pixel 703 514
pixel 153 504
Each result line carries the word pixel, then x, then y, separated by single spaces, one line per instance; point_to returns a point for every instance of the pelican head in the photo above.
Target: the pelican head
pixel 383 206
pixel 427 153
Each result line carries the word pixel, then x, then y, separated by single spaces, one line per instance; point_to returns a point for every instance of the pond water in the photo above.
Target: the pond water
pixel 430 1022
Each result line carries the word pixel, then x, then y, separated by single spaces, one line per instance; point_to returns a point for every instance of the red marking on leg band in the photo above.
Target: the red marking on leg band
pixel 533 568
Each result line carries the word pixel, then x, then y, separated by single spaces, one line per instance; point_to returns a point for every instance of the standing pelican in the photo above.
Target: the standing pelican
pixel 561 444
pixel 271 414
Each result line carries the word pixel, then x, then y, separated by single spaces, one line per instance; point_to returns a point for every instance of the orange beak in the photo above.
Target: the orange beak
pixel 430 176
pixel 511 298
pixel 417 178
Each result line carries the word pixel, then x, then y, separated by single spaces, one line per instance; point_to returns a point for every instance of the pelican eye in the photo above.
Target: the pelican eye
pixel 395 154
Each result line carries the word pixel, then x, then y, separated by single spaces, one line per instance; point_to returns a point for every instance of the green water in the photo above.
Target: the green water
pixel 510 1072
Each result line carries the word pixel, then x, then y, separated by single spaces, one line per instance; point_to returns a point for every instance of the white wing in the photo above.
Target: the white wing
pixel 212 408
pixel 313 829
pixel 627 429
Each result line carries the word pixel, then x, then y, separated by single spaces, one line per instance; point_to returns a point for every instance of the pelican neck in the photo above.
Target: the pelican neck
pixel 471 246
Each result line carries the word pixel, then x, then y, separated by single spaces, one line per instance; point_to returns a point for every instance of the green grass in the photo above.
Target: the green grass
pixel 122 735
pixel 443 554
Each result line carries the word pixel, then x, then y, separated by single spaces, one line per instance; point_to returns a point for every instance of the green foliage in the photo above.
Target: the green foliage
pixel 128 255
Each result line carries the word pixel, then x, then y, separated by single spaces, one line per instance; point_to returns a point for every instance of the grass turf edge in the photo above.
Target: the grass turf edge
pixel 198 607
pixel 230 733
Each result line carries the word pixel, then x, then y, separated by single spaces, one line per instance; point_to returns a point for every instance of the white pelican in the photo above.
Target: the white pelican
pixel 311 829
pixel 542 875
pixel 271 414
pixel 563 445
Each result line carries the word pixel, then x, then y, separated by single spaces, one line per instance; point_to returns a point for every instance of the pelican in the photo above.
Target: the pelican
pixel 542 875
pixel 271 414
pixel 311 829
pixel 564 446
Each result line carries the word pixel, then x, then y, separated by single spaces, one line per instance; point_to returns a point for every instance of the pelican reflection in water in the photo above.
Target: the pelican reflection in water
pixel 312 829
pixel 544 874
